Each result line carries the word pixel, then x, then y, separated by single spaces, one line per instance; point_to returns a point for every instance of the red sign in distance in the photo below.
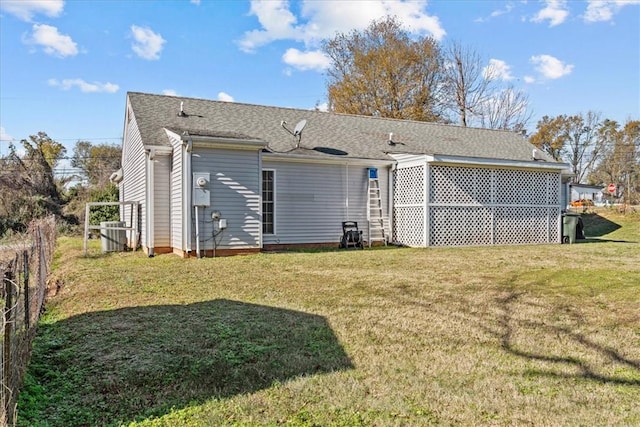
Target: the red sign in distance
pixel 611 188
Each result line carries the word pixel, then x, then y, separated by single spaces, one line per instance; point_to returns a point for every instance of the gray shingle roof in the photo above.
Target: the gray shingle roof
pixel 325 135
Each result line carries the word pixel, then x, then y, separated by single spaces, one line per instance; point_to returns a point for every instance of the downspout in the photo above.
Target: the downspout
pixel 390 204
pixel 346 166
pixel 187 145
pixel 150 201
pixel 260 234
pixel 427 191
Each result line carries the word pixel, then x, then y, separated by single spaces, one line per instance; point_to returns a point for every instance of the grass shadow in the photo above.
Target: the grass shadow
pixel 511 326
pixel 114 367
pixel 597 226
pixel 600 240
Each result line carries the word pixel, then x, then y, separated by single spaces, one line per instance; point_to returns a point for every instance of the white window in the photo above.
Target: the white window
pixel 268 201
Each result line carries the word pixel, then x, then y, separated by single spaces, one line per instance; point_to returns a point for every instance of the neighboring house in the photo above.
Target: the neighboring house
pixel 223 177
pixel 589 192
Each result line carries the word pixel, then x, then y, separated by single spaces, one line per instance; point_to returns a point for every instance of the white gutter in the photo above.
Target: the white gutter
pixel 222 142
pixel 481 161
pixel 260 233
pixel 390 183
pixel 346 202
pixel 426 232
pixel 338 160
pixel 150 201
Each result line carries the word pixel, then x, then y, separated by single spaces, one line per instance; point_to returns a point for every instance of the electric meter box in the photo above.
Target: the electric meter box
pixel 201 189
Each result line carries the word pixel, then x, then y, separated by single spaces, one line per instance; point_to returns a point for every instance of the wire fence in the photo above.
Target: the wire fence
pixel 22 294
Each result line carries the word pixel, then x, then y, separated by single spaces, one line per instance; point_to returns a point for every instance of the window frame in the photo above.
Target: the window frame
pixel 271 203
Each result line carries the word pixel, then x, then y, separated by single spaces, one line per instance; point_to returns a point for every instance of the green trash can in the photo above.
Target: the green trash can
pixel 569 224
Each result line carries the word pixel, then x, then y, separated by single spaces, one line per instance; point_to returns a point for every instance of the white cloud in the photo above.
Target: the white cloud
pixel 508 8
pixel 310 60
pixel 146 44
pixel 498 69
pixel 26 9
pixel 4 136
pixel 225 97
pixel 550 67
pixel 319 20
pixel 84 86
pixel 555 12
pixel 603 10
pixel 170 92
pixel 322 107
pixel 196 2
pixel 277 23
pixel 52 41
pixel 498 12
pixel 529 79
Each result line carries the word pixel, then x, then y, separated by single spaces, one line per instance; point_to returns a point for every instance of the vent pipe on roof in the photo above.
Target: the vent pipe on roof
pixel 390 142
pixel 182 113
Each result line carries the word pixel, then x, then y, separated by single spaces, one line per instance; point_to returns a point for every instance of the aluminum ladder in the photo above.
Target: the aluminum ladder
pixel 374 210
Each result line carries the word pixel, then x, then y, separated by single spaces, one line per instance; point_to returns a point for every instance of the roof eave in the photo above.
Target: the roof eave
pixel 200 141
pixel 528 164
pixel 334 160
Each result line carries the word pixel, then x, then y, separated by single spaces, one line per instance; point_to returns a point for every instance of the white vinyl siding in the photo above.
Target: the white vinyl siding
pixel 134 175
pixel 161 201
pixel 314 198
pixel 177 185
pixel 235 193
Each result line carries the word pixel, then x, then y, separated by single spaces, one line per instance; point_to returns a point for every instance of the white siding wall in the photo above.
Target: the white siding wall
pixel 177 185
pixel 235 193
pixel 134 181
pixel 312 200
pixel 161 201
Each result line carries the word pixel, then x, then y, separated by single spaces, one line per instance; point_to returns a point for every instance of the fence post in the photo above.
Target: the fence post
pixel 8 329
pixel 27 299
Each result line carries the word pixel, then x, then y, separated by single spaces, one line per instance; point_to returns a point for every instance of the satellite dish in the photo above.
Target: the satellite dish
pixel 297 131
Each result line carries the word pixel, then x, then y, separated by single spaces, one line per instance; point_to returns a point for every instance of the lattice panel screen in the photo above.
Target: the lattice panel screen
pixel 460 185
pixel 514 187
pixel 517 225
pixel 554 225
pixel 409 206
pixel 480 206
pixel 409 226
pixel 476 206
pixel 409 186
pixel 553 184
pixel 465 226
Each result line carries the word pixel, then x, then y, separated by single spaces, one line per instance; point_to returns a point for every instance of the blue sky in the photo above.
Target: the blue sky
pixel 66 66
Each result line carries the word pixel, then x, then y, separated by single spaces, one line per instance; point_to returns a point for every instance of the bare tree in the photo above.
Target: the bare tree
pixel 507 109
pixel 572 139
pixel 467 81
pixel 620 158
pixel 28 188
pixel 96 161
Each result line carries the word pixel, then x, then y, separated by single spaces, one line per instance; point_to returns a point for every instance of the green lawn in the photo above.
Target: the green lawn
pixel 510 335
